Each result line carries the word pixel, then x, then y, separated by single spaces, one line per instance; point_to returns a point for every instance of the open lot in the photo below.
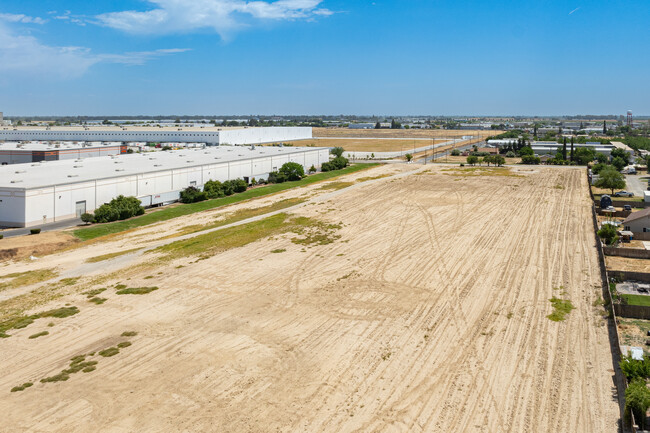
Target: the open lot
pixel 369 144
pixel 399 133
pixel 402 298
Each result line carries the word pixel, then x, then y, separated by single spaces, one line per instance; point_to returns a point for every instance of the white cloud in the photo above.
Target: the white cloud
pixel 223 16
pixel 25 55
pixel 20 18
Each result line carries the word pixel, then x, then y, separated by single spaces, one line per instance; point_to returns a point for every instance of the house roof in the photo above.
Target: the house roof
pixel 638 215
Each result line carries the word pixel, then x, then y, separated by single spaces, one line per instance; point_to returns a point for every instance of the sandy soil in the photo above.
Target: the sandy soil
pixel 398 133
pixel 615 263
pixel 19 247
pixel 428 314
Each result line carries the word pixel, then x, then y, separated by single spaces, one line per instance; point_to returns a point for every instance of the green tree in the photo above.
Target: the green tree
pixel 572 155
pixel 610 178
pixel 488 159
pixel 337 151
pixel 620 153
pixel 472 160
pixel 584 155
pixel 564 149
pixel 292 170
pixel 526 150
pixel 395 124
pixel 619 163
pixel 409 157
pixel 601 158
pixel 637 400
pixel 378 125
pixel 608 234
pixel 530 160
pixel 498 160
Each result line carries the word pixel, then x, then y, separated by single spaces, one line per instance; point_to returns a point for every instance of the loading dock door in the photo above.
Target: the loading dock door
pixel 81 208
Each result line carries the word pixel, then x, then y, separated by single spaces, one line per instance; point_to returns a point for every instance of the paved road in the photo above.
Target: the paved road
pixel 44 227
pixel 636 183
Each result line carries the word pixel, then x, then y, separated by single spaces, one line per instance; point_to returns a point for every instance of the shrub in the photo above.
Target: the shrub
pixel 608 233
pixel 312 169
pixel 455 152
pixel 213 189
pixel 192 194
pixel 292 170
pixel 120 208
pixel 34 231
pixel 511 154
pixel 276 177
pixel 88 218
pixel 1 236
pixel 637 400
pixel 336 164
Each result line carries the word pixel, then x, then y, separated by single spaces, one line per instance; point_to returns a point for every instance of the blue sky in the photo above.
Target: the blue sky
pixel 437 57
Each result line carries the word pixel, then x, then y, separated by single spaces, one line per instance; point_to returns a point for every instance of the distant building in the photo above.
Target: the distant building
pixel 363 125
pixel 22 153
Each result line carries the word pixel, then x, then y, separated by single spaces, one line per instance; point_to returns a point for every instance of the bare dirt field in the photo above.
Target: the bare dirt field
pixel 368 145
pixel 399 133
pixel 25 246
pixel 403 298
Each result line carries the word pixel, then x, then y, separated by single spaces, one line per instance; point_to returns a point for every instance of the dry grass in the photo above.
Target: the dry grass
pixel 111 255
pixel 480 171
pixel 20 279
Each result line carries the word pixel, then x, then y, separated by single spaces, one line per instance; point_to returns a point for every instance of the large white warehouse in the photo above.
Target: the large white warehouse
pixel 209 135
pixel 44 192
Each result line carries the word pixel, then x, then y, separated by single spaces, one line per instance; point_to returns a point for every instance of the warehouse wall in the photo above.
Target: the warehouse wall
pixel 264 135
pixel 12 207
pixel 46 205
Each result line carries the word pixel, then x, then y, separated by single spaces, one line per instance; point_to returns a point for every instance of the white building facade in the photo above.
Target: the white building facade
pixel 40 193
pixel 213 136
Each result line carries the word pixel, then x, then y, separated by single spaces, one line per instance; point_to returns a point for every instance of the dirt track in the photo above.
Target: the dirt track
pixel 428 314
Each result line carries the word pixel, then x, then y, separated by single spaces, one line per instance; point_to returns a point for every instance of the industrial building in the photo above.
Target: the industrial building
pixel 36 151
pixel 551 147
pixel 44 192
pixel 208 135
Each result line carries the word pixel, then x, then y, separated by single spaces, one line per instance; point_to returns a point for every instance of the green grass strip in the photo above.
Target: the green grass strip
pixel 636 299
pixel 165 214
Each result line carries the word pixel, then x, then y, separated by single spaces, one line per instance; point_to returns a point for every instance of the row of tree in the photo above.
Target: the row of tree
pixel 497 160
pixel 120 208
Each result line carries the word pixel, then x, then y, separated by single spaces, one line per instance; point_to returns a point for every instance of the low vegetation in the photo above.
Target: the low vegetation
pixel 22 321
pixel 561 308
pixel 111 351
pixel 136 290
pixel 480 171
pixel 40 334
pixel 22 387
pixel 168 213
pixel 20 279
pixel 129 334
pixel 111 255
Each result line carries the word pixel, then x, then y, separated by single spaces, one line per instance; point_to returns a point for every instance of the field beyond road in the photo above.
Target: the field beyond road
pixel 401 298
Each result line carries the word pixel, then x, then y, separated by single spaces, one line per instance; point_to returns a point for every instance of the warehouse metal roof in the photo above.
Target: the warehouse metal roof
pixel 59 145
pixel 45 174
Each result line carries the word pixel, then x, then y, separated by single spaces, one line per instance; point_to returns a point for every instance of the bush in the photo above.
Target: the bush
pixel 455 152
pixel 637 400
pixel 120 208
pixel 34 231
pixel 526 150
pixel 231 187
pixel 2 236
pixel 292 170
pixel 276 177
pixel 192 194
pixel 213 189
pixel 336 164
pixel 511 154
pixel 530 159
pixel 312 169
pixel 88 218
